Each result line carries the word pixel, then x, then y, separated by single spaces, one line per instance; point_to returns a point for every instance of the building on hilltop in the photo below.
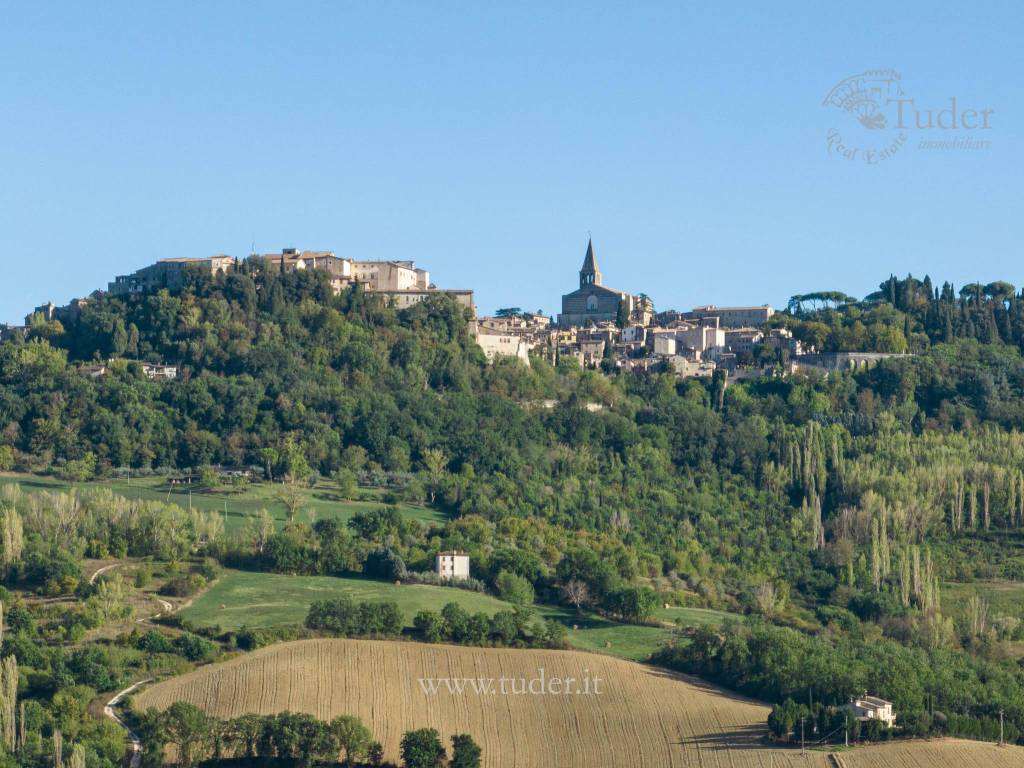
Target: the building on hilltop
pixel 400 283
pixel 734 317
pixel 293 260
pixel 497 344
pixel 391 276
pixel 593 303
pixel 49 312
pixel 168 273
pixel 403 299
pixel 13 331
pixel 511 335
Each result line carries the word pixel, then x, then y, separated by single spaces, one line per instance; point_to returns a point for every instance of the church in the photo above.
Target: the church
pixel 593 303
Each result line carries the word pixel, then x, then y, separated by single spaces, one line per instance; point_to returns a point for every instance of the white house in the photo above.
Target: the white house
pixel 453 565
pixel 871 708
pixel 665 343
pixel 157 371
pixel 634 333
pixel 504 344
pixel 702 338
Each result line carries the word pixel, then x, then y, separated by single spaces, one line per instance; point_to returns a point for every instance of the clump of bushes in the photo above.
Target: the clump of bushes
pixel 345 617
pixel 432 578
pixel 188 645
pixel 517 628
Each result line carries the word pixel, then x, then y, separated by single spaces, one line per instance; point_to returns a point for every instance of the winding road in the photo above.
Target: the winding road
pixel 167 608
pixel 100 571
pixel 108 708
pixel 133 738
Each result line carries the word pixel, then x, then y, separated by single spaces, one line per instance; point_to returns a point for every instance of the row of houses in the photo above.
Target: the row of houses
pixel 691 347
pixel 687 347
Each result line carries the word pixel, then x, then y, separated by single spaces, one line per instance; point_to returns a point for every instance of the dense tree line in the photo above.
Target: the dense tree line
pixel 291 738
pixel 516 628
pixel 908 315
pixel 933 691
pixel 344 617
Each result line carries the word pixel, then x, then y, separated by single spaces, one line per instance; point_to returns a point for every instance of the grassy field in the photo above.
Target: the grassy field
pixel 690 617
pixel 599 635
pixel 639 715
pixel 260 600
pixel 237 506
pixel 590 632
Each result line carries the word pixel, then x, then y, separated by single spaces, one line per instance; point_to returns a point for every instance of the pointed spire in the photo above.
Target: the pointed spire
pixel 590 274
pixel 589 263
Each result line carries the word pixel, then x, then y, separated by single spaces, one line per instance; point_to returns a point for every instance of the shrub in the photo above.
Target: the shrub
pixel 514 588
pixel 345 617
pixel 183 586
pixel 195 648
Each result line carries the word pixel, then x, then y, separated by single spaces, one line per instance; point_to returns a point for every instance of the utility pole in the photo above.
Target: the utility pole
pixel 801 735
pixel 814 720
pixel 846 731
pixel 1001 727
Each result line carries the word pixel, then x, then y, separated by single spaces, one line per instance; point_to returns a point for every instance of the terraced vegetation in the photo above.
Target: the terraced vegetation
pixel 642 715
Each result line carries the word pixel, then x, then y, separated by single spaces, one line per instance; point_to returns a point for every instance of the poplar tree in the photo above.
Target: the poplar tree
pixel 8 700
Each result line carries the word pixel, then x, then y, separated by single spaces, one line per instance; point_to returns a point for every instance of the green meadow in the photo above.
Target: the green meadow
pixel 262 600
pixel 236 505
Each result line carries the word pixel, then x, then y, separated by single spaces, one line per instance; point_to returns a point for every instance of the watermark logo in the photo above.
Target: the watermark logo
pixel 881 120
pixel 541 684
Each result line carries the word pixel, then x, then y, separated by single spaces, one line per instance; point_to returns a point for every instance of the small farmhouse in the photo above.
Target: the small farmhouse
pixel 453 565
pixel 871 708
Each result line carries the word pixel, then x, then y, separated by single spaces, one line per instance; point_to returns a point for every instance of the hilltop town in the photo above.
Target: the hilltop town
pixel 599 326
pixel 256 442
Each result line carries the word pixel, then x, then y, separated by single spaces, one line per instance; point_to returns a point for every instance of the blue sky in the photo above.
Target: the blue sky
pixel 486 140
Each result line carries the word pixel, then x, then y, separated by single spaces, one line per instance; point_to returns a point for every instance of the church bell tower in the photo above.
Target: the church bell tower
pixel 589 274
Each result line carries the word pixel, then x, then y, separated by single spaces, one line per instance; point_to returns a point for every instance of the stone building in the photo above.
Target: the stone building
pixel 390 276
pixel 338 269
pixel 593 303
pixel 403 284
pixel 167 273
pixel 403 299
pixel 734 317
